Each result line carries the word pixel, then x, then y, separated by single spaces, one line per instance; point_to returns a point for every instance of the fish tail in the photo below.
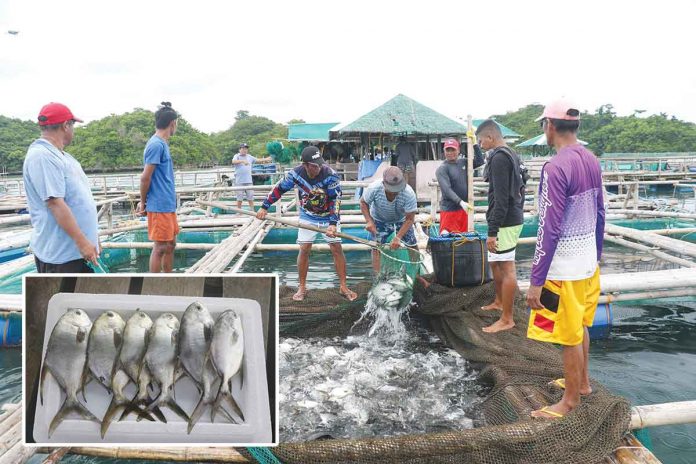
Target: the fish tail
pixel 224 394
pixel 68 406
pixel 197 413
pixel 174 406
pixel 114 406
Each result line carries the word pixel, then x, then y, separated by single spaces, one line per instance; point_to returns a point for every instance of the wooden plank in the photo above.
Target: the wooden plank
pixel 255 288
pixel 180 286
pixel 171 454
pixel 102 284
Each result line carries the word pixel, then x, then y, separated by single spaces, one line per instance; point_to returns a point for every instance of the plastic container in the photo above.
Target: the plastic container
pixel 252 397
pixel 601 326
pixel 460 260
pixel 10 329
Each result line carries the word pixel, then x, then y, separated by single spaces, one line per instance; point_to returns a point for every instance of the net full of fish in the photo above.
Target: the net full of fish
pixel 152 369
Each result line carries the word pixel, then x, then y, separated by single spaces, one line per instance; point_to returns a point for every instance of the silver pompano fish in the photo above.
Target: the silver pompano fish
pixel 103 347
pixel 392 291
pixel 126 367
pixel 130 360
pixel 66 357
pixel 227 354
pixel 161 362
pixel 194 341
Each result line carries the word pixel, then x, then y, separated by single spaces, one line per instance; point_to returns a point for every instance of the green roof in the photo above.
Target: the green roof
pixel 507 132
pixel 403 115
pixel 311 132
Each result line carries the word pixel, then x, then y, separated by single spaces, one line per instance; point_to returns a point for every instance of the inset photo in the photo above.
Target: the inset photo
pixel 144 359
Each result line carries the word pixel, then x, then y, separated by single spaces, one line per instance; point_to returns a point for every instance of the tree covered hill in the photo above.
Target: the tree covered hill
pixel 117 141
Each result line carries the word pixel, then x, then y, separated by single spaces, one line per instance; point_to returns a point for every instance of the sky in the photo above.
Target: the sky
pixel 330 61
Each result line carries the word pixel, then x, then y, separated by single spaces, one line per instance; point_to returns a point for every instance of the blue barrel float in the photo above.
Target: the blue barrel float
pixel 10 329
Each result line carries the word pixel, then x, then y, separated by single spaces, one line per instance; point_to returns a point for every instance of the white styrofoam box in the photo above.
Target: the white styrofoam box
pixel 252 397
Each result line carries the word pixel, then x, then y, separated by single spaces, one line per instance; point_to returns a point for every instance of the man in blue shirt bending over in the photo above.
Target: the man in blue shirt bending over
pixel 63 213
pixel 319 190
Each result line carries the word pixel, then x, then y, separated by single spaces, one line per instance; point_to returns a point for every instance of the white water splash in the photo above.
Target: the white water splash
pixel 365 386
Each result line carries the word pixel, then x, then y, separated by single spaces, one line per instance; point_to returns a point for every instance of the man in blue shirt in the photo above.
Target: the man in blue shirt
pixel 62 210
pixel 319 191
pixel 157 194
pixel 243 162
pixel 390 206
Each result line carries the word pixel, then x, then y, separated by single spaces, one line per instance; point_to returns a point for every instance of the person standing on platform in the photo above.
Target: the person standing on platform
pixel 319 191
pixel 64 236
pixel 243 163
pixel 564 284
pixel 406 160
pixel 505 217
pixel 453 181
pixel 157 193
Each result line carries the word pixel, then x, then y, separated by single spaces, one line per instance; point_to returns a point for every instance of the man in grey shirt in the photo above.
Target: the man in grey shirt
pixel 453 180
pixel 406 160
pixel 242 174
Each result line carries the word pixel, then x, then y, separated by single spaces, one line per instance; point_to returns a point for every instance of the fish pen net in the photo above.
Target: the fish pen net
pixel 517 370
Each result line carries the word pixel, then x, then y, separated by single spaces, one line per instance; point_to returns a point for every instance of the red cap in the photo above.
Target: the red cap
pixel 55 113
pixel 451 143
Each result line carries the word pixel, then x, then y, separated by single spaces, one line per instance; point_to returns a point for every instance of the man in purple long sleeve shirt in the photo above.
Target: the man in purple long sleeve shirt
pixel 564 288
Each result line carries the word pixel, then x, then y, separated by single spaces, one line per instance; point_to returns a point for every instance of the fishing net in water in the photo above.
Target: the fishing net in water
pixel 516 369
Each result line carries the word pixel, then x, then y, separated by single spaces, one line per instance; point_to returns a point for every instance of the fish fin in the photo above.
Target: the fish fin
pixel 196 414
pixel 118 338
pixel 67 407
pixel 109 416
pixel 81 335
pixel 208 332
pixel 216 403
pixel 86 379
pixel 241 376
pixel 44 372
pixel 159 414
pixel 171 402
pixel 185 371
pixel 234 406
pixel 175 333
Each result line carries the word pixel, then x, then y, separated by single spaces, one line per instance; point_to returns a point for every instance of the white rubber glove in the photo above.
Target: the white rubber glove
pixel 465 206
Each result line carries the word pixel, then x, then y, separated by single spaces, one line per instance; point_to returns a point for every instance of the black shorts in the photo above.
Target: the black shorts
pixel 76 266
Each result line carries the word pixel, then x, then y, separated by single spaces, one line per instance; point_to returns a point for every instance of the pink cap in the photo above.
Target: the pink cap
pixel 560 109
pixel 451 143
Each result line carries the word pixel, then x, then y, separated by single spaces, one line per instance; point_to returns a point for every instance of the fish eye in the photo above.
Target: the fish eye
pixel 142 314
pixel 78 312
pixel 110 314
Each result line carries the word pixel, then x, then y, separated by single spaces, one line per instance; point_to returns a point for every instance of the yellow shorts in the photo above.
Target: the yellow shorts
pixel 568 306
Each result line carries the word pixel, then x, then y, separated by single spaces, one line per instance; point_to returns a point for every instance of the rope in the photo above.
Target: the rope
pixel 403 261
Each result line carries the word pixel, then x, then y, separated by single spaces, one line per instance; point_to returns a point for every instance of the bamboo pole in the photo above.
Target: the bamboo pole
pixel 682 412
pixel 56 455
pixel 470 170
pixel 143 245
pixel 667 243
pixel 293 223
pixel 650 295
pixel 217 259
pixel 658 214
pixel 250 248
pixel 683 278
pixel 171 453
pixel 657 253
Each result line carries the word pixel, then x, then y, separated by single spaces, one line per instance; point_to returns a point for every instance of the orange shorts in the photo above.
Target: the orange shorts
pixel 162 227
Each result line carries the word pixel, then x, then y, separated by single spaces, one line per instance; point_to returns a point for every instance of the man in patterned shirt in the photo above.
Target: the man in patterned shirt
pixel 319 191
pixel 564 288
